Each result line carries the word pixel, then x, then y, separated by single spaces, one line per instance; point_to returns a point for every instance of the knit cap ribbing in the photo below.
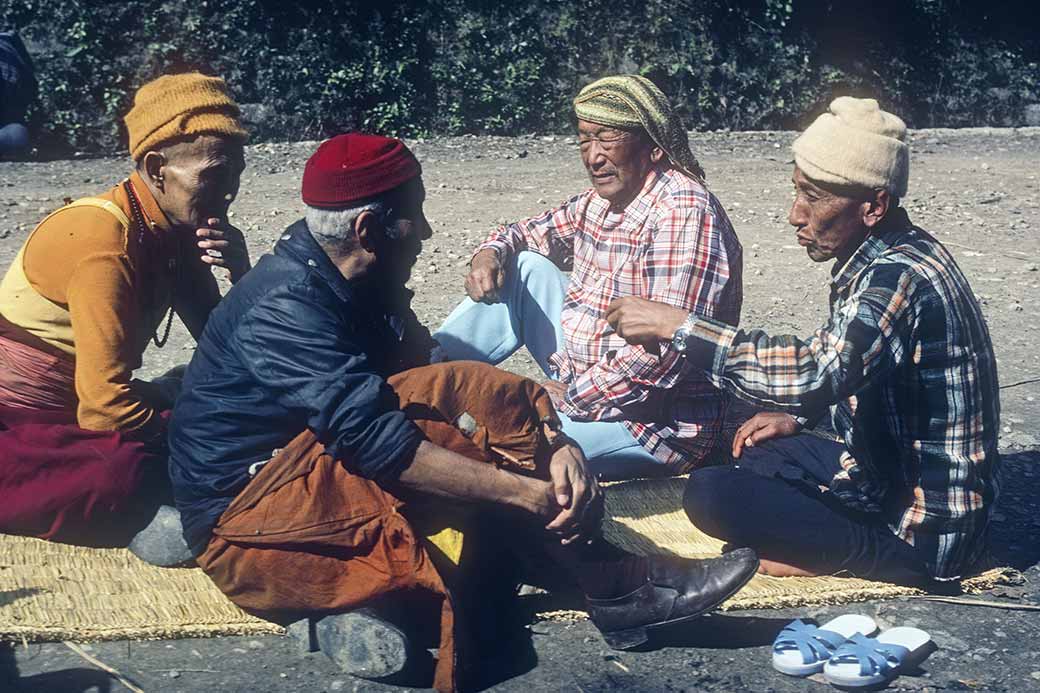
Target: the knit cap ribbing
pixel 180 105
pixel 856 143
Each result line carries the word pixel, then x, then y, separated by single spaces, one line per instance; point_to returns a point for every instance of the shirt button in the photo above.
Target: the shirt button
pixel 312 263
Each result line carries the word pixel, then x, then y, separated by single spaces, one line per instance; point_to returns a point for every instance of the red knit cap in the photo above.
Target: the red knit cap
pixel 352 167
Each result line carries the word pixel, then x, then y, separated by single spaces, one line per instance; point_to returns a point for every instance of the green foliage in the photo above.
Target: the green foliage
pixel 454 66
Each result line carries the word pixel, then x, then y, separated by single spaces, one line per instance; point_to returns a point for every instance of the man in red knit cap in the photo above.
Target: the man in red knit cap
pixel 320 463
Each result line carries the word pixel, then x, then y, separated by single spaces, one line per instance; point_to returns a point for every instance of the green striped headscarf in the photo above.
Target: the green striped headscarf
pixel 631 101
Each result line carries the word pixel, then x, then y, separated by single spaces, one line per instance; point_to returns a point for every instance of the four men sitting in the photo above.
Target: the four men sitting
pixel 325 450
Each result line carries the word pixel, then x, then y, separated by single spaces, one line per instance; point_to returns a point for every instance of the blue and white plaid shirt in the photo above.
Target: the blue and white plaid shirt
pixel 906 365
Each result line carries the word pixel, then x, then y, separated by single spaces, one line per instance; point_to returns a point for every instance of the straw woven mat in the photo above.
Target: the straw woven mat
pixel 54 591
pixel 646 516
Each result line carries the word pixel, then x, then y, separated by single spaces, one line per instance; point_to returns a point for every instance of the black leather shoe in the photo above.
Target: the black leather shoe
pixel 678 589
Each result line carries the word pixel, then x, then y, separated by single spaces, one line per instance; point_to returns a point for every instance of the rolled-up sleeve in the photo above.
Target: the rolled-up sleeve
pixel 550 234
pixel 303 353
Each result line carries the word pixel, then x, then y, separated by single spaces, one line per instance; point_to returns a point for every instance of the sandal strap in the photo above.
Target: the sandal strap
pixel 814 643
pixel 872 656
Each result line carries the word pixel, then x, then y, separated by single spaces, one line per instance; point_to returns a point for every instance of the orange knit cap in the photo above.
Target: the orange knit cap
pixel 174 106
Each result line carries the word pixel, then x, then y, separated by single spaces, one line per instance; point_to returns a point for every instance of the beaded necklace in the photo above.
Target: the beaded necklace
pixel 142 226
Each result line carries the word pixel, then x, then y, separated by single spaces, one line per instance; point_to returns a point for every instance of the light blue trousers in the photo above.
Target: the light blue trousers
pixel 529 316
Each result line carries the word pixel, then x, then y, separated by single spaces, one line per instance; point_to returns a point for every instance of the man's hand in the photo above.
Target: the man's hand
pixel 557 392
pixel 223 245
pixel 576 493
pixel 762 427
pixel 486 277
pixel 643 322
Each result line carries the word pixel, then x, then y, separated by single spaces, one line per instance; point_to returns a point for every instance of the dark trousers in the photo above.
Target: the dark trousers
pixel 14 138
pixel 770 500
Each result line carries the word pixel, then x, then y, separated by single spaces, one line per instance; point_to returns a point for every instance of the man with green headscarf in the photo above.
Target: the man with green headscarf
pixel 648 227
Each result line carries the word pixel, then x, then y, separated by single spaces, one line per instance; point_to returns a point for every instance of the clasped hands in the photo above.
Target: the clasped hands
pixel 573 501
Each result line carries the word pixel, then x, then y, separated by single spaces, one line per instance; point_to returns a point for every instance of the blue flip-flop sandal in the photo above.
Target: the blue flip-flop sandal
pixel 802 649
pixel 864 661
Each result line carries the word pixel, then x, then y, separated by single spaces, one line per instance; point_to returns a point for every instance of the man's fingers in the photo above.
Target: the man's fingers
pixel 487 290
pixel 471 289
pixel 480 286
pixel 767 432
pixel 581 494
pixel 741 437
pixel 760 435
pixel 562 487
pixel 566 518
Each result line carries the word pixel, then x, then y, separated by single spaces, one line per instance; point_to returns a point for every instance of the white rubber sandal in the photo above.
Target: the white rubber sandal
pixel 802 649
pixel 864 661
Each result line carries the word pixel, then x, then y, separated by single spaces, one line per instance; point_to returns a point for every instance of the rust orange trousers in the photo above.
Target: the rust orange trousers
pixel 308 536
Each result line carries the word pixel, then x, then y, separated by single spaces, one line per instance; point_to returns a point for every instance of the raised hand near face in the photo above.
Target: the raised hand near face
pixel 223 245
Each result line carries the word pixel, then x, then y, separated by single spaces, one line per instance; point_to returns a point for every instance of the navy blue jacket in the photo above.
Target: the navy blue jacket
pixel 292 346
pixel 17 79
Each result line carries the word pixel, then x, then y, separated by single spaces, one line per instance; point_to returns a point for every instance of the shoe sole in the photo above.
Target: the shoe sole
pixel 362 646
pixel 634 637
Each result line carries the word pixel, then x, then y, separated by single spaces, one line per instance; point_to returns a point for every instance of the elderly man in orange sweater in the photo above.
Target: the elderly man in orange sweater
pixel 82 443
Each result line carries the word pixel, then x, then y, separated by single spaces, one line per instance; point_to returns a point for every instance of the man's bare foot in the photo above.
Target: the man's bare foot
pixel 778 569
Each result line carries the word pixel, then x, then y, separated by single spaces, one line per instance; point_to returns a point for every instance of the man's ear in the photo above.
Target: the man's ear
pixel 152 166
pixel 365 229
pixel 875 209
pixel 656 154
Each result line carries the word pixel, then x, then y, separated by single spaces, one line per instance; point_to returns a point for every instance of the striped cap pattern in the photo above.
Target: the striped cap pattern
pixel 632 101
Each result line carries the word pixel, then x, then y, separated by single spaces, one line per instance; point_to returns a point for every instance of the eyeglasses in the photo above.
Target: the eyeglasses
pixel 611 141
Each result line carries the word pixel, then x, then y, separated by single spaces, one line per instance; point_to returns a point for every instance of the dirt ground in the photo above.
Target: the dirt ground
pixel 976 190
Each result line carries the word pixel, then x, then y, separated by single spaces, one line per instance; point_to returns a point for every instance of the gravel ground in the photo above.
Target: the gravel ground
pixel 977 190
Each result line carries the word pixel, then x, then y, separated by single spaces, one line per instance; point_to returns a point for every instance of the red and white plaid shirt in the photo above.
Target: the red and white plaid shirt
pixel 674 244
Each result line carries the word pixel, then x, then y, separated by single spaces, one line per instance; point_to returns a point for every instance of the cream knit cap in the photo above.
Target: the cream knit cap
pixel 856 143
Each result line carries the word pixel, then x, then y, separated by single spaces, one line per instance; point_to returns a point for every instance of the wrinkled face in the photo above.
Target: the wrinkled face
pixel 617 161
pixel 827 225
pixel 406 228
pixel 200 179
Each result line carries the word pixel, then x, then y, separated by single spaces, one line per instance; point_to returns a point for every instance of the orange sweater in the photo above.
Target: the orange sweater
pixel 105 291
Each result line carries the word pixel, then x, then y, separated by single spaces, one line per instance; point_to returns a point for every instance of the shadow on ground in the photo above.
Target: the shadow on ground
pixel 73 680
pixel 1015 529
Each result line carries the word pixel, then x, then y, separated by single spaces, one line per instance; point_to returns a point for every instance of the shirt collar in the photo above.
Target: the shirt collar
pixel 641 205
pixel 880 239
pixel 153 214
pixel 298 243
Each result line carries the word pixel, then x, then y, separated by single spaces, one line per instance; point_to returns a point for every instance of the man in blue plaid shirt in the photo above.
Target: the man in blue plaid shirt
pixel 904 363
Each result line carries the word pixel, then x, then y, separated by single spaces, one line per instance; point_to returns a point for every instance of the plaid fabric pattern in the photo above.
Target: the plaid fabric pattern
pixel 673 243
pixel 907 366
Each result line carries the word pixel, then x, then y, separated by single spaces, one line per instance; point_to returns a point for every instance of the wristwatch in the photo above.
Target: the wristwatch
pixel 680 340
